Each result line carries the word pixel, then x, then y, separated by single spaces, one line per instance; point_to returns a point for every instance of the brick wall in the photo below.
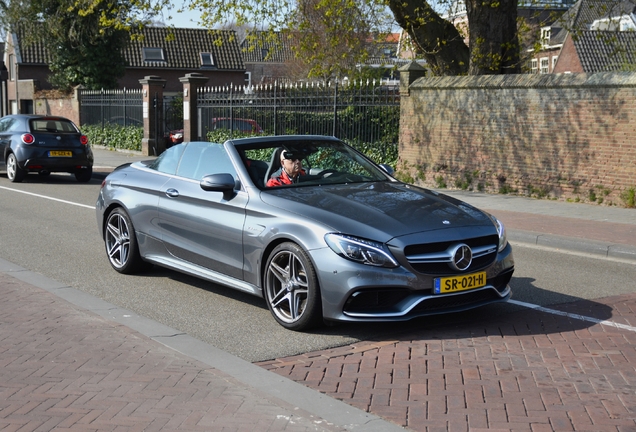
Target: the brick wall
pixel 51 103
pixel 569 136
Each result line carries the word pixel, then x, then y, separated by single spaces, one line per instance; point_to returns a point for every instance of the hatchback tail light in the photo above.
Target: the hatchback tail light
pixel 84 139
pixel 27 138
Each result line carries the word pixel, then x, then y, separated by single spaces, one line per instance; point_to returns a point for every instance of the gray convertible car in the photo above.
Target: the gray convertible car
pixel 343 241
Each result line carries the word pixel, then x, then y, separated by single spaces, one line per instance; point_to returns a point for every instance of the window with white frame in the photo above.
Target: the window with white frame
pixel 544 63
pixel 545 36
pixel 534 66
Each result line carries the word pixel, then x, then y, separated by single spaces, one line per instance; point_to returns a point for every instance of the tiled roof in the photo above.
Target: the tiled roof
pixel 183 52
pixel 585 12
pixel 258 48
pixel 32 53
pixel 605 51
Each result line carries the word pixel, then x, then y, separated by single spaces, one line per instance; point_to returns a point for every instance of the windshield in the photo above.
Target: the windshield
pixel 306 163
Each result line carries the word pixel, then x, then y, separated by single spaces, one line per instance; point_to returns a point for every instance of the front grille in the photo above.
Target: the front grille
pixel 434 258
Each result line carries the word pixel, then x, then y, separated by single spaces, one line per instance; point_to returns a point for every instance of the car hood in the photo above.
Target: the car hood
pixel 381 210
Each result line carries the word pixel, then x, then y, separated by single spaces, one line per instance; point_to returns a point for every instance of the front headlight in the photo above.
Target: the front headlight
pixel 361 250
pixel 501 231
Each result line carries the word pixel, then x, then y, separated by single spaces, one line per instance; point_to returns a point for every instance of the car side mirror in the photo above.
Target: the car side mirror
pixel 387 168
pixel 224 183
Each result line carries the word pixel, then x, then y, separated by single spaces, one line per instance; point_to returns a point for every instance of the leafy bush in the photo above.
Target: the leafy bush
pixel 222 135
pixel 114 136
pixel 130 137
pixel 378 152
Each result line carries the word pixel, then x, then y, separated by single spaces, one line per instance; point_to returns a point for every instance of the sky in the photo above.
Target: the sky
pixel 187 19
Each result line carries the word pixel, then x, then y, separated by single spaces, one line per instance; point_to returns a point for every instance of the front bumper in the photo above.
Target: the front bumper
pixel 354 292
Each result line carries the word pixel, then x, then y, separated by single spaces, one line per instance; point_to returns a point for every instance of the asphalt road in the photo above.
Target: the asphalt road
pixel 48 226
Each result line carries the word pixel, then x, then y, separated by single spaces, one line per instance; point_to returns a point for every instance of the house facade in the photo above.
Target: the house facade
pixel 592 36
pixel 170 53
pixel 536 17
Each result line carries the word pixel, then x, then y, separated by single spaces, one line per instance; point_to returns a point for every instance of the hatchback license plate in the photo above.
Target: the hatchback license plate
pixel 459 283
pixel 59 153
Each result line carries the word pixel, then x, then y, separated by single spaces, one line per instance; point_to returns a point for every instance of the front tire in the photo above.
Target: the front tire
pixel 121 243
pixel 14 172
pixel 291 288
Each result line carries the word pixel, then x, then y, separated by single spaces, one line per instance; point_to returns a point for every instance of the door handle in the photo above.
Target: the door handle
pixel 172 193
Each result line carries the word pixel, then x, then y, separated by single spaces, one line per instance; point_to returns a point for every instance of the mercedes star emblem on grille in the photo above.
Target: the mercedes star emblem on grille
pixel 462 257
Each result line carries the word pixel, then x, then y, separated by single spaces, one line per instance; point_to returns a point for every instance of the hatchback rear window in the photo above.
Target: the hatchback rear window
pixel 53 126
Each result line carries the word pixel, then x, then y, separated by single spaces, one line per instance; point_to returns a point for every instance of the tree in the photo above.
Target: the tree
pixel 331 33
pixel 82 52
pixel 80 49
pixel 336 38
pixel 494 46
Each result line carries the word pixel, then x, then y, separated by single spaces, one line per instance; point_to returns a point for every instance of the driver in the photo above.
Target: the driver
pixel 290 171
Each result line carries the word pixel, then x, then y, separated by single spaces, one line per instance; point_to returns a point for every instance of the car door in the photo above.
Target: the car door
pixel 201 227
pixel 5 135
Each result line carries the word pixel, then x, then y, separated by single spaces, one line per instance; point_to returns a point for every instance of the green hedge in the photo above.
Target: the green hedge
pixel 379 152
pixel 115 136
pixel 383 150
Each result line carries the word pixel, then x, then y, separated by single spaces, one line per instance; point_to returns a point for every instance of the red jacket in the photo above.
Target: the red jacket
pixel 280 178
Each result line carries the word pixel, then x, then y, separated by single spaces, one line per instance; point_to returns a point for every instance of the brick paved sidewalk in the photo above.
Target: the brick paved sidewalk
pixel 64 368
pixel 525 371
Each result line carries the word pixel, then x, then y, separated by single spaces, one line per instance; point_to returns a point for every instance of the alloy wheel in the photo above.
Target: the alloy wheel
pixel 14 172
pixel 287 286
pixel 117 240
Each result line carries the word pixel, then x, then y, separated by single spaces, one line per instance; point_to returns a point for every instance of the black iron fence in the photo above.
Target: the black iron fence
pixel 362 112
pixel 365 114
pixel 120 107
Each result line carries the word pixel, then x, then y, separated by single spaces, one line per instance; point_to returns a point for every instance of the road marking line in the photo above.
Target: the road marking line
pixel 575 316
pixel 49 198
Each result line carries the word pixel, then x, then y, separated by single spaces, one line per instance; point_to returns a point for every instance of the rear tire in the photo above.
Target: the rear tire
pixel 121 243
pixel 84 175
pixel 14 172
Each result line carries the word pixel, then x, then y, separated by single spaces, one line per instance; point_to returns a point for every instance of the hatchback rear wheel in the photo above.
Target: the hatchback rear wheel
pixel 14 172
pixel 291 288
pixel 84 175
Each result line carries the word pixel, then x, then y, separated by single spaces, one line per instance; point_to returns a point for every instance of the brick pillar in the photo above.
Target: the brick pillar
pixel 409 73
pixel 153 143
pixel 191 82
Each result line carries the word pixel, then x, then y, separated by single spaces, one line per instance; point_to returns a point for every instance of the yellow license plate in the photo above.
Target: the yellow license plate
pixel 453 284
pixel 59 153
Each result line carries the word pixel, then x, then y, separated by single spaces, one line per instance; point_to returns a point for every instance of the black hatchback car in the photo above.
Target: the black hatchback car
pixel 44 144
